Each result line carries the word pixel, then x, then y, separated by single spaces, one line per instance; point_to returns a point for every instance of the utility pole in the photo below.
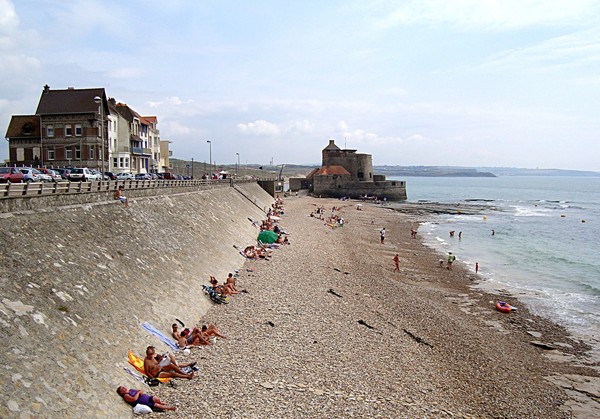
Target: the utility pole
pixel 98 100
pixel 192 168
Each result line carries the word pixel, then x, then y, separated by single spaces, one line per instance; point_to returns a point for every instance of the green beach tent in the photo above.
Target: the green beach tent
pixel 267 236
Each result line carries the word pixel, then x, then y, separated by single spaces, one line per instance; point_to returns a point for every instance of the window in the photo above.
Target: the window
pixel 50 153
pixel 69 153
pixel 20 154
pixel 77 152
pixel 115 162
pixel 78 130
pixel 92 149
pixel 68 130
pixel 50 131
pixel 121 162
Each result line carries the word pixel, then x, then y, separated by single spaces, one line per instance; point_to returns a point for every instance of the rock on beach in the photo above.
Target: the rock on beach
pixel 414 343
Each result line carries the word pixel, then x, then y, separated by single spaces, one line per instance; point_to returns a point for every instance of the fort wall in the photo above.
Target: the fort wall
pixel 78 280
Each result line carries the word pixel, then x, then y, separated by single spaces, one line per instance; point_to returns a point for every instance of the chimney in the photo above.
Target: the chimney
pixel 331 142
pixel 46 88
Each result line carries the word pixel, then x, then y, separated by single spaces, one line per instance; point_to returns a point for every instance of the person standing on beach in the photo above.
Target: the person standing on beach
pixel 451 259
pixel 382 235
pixel 397 263
pixel 476 267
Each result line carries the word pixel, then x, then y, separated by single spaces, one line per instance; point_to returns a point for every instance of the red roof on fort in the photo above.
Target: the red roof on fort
pixel 332 170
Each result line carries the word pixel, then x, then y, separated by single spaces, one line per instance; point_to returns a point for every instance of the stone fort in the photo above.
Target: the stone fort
pixel 346 173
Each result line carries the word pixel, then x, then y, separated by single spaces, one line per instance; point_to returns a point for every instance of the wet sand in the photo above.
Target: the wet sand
pixel 328 329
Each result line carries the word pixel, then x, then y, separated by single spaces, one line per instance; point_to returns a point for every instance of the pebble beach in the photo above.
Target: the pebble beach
pixel 328 329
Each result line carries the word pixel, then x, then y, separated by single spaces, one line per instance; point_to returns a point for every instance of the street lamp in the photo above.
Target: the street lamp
pixel 192 168
pixel 210 157
pixel 237 165
pixel 98 100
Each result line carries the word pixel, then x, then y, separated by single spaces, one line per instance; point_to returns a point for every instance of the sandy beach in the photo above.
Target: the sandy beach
pixel 328 329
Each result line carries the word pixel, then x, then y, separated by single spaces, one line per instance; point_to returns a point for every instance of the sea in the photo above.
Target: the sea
pixel 535 237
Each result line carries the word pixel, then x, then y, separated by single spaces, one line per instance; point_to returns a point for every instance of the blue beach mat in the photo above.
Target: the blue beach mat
pixel 165 339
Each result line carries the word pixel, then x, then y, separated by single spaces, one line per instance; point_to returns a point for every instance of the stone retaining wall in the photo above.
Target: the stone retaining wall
pixel 77 281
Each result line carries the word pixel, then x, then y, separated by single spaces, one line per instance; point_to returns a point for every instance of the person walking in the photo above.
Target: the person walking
pixel 397 263
pixel 382 235
pixel 451 259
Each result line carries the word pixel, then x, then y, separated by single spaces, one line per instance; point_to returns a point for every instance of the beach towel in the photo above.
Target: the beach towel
pixel 138 364
pixel 165 339
pixel 239 249
pixel 134 375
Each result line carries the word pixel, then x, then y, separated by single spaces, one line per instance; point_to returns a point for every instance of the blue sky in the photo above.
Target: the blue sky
pixel 437 82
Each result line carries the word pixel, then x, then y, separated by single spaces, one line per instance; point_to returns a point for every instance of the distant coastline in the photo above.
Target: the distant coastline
pixel 300 170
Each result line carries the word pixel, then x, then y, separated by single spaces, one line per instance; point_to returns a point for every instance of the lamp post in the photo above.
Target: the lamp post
pixel 237 165
pixel 192 168
pixel 210 157
pixel 98 100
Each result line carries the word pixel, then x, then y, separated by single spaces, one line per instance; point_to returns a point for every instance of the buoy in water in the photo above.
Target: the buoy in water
pixel 484 218
pixel 563 215
pixel 583 221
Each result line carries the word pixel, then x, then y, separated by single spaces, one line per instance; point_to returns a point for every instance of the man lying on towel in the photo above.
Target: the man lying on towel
pixel 164 366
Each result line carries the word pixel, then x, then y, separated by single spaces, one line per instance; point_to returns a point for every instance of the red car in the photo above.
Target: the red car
pixel 11 175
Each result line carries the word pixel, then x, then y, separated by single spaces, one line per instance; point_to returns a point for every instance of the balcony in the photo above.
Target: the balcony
pixel 140 151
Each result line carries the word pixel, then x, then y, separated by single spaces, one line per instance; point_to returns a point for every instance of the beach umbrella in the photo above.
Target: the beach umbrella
pixel 267 236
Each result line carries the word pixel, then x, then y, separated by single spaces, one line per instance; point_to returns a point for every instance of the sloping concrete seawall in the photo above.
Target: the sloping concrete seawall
pixel 77 281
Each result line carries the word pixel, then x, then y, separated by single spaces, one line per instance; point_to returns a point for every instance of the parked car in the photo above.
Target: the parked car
pixel 110 176
pixel 82 174
pixel 56 177
pixel 30 174
pixel 63 172
pixel 168 176
pixel 124 176
pixel 44 177
pixel 154 176
pixel 52 175
pixel 11 175
pixel 143 176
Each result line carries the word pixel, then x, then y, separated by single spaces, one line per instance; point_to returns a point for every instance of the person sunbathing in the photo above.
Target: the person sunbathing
pixel 230 284
pixel 250 252
pixel 192 338
pixel 159 366
pixel 210 331
pixel 134 397
pixel 224 290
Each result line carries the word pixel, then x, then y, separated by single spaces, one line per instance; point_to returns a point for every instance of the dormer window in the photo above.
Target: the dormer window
pixel 27 129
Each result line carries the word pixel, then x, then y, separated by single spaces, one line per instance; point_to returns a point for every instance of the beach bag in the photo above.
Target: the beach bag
pixel 152 382
pixel 140 409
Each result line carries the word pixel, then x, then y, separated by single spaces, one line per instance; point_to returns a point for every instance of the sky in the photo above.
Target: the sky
pixel 432 82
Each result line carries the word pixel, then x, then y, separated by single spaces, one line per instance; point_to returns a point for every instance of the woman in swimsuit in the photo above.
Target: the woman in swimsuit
pixel 134 397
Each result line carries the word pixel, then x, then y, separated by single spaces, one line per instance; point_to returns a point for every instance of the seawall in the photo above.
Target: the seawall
pixel 78 280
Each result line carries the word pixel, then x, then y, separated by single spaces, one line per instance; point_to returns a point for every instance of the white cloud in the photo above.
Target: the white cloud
pixel 301 126
pixel 176 128
pixel 9 21
pixel 574 50
pixel 260 127
pixel 489 15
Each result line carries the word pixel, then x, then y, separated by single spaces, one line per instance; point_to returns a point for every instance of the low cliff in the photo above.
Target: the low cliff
pixel 77 281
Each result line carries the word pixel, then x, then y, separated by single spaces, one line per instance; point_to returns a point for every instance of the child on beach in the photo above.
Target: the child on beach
pixel 397 263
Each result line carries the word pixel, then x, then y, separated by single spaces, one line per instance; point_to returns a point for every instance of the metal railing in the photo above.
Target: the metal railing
pixel 32 189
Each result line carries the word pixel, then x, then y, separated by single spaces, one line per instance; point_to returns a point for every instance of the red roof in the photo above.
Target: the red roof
pixel 332 170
